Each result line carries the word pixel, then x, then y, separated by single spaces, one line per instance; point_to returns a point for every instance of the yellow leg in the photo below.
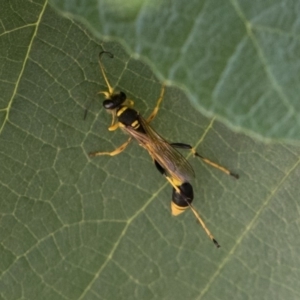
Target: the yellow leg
pixel 156 108
pixel 215 165
pixel 113 153
pixel 203 225
pixel 113 126
pixel 206 160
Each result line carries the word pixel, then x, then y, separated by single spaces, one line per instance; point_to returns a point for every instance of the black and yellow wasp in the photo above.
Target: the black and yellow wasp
pixel 167 159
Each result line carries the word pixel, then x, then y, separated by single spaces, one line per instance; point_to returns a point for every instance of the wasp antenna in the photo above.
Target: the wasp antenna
pixel 105 52
pixel 110 89
pixel 203 225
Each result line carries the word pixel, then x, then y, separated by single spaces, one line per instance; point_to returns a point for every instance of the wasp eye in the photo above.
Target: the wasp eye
pixel 115 101
pixel 109 104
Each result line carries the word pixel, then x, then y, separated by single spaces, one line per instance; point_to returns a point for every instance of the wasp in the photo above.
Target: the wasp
pixel 168 161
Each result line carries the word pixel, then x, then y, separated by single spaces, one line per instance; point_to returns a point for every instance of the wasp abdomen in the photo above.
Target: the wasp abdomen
pixel 180 201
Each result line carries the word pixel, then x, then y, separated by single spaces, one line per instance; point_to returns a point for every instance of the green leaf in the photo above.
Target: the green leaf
pixel 237 60
pixel 72 227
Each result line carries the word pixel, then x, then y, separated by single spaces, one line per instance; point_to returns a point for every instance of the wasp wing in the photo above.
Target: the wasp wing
pixel 175 165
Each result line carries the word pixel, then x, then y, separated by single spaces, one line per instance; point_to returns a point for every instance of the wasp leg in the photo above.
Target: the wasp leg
pixel 114 126
pixel 112 153
pixel 156 108
pixel 181 201
pixel 182 198
pixel 206 160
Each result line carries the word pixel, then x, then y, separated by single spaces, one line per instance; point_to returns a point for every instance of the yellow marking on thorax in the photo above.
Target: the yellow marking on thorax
pixel 120 111
pixel 135 124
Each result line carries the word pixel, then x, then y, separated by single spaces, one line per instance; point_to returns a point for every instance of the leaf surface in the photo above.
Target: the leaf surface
pixel 72 227
pixel 237 60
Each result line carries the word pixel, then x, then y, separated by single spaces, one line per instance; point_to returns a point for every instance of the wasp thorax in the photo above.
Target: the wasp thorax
pixel 115 101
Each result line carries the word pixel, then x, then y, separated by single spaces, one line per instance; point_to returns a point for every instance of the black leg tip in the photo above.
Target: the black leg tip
pixel 237 176
pixel 216 243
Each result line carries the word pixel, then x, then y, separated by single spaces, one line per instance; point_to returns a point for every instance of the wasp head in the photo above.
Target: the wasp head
pixel 115 101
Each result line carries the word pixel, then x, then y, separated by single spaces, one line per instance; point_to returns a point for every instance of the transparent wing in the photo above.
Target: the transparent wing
pixel 161 151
